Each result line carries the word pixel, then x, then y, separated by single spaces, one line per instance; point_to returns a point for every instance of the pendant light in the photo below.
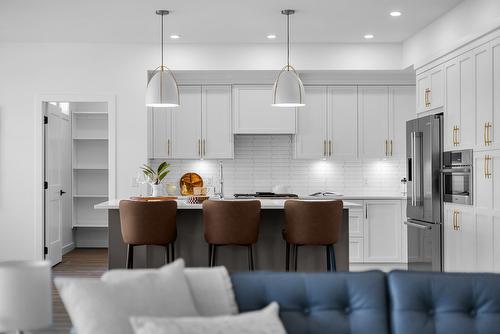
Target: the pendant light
pixel 162 90
pixel 288 90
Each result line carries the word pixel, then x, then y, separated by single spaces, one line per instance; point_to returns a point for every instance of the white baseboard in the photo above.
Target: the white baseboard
pixel 68 248
pixel 92 244
pixel 377 266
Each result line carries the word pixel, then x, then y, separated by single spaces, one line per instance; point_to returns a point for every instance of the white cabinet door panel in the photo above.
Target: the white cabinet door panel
pixel 161 122
pixel 483 93
pixel 483 184
pixel 423 83
pixel 356 223
pixel 217 129
pixel 460 242
pixel 496 243
pixel 311 137
pixel 186 124
pixel 452 103
pixel 374 116
pixel 495 54
pixel 401 110
pixel 343 121
pixel 466 131
pixel 355 250
pixel 484 243
pixel 437 82
pixel 253 113
pixel 382 231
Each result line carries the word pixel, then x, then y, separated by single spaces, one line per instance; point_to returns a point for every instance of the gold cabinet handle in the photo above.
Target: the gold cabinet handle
pixel 454 220
pixel 385 144
pixel 168 147
pixel 487 159
pixel 454 141
pixel 204 147
pixel 458 135
pixel 199 147
pixel 488 135
pixel 324 148
pixel 330 147
pixel 458 220
pixel 485 134
pixel 390 147
pixel 427 99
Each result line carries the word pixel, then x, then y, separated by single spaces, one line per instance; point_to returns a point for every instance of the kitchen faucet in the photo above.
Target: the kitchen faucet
pixel 220 194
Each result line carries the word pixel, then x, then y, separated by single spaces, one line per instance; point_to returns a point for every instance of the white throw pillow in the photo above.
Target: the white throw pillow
pixel 96 307
pixel 211 288
pixel 256 322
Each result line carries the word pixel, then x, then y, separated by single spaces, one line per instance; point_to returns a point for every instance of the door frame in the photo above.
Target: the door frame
pixel 39 193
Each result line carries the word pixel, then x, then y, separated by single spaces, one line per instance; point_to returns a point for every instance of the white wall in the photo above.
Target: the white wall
pixel 30 69
pixel 462 24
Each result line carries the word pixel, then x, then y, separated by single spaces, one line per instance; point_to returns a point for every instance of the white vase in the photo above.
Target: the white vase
pixel 156 190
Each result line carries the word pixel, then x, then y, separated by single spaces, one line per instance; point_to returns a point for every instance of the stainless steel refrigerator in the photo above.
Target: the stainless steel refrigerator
pixel 424 148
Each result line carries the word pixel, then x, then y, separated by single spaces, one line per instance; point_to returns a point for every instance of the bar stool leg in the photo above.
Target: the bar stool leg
pixel 287 256
pixel 295 256
pixel 212 249
pixel 130 256
pixel 250 258
pixel 167 253
pixel 328 259
pixel 333 260
pixel 209 255
pixel 172 251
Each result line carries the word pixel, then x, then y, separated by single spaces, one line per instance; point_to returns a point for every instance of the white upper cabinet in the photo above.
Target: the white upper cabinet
pixel 374 121
pixel 312 134
pixel 253 113
pixel 483 95
pixel 343 122
pixel 452 103
pixel 401 110
pixel 199 128
pixel 217 128
pixel 430 89
pixel 186 124
pixel 494 131
pixel 160 133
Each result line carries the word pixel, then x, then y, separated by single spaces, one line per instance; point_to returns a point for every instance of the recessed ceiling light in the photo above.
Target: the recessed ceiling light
pixel 271 36
pixel 395 13
pixel 369 36
pixel 174 36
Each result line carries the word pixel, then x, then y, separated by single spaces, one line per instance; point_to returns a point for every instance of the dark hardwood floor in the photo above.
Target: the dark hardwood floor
pixel 81 262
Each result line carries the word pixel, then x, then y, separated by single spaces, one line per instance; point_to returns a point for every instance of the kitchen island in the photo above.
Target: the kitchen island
pixel 269 252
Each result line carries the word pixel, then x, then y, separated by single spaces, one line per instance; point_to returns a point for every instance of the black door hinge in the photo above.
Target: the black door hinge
pixel 45 120
pixel 45 185
pixel 45 250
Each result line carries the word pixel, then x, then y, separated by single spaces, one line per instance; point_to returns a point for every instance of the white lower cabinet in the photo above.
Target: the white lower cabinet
pixel 356 232
pixel 460 238
pixel 382 231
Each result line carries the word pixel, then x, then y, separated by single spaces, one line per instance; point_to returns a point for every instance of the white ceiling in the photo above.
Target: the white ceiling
pixel 215 21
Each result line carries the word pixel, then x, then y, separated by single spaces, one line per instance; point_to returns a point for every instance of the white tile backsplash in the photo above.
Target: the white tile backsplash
pixel 262 161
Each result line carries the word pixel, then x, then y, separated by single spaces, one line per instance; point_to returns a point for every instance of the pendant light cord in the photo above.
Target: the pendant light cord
pixel 288 41
pixel 162 15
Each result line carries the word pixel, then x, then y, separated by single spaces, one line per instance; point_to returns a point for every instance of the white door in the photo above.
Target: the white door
pixel 186 124
pixel 161 121
pixel 452 104
pixel 494 131
pixel 311 138
pixel 217 127
pixel 466 130
pixel 57 157
pixel 343 122
pixel 423 84
pixel 374 115
pixel 382 233
pixel 401 110
pixel 483 94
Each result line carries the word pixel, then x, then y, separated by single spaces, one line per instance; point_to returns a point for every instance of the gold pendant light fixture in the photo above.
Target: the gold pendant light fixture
pixel 162 90
pixel 288 90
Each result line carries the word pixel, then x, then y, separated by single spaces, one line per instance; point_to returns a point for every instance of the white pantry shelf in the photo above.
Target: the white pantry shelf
pixel 90 195
pixel 90 138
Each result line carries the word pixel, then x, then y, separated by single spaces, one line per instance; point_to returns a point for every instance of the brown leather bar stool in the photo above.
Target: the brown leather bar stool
pixel 313 223
pixel 148 223
pixel 231 223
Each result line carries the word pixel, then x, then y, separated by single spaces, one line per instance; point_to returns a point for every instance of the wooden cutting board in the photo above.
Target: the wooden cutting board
pixel 150 198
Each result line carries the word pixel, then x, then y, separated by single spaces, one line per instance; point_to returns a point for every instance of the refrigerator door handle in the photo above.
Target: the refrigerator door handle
pixel 413 136
pixel 418 225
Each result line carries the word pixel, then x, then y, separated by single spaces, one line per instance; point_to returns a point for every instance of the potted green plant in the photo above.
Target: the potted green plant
pixel 156 177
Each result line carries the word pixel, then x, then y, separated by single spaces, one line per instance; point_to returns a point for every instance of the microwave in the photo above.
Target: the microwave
pixel 457 177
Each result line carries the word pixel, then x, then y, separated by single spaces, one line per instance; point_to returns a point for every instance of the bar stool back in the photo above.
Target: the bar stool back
pixel 231 223
pixel 148 223
pixel 312 223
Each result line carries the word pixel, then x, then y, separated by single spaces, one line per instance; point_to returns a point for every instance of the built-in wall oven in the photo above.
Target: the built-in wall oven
pixel 457 177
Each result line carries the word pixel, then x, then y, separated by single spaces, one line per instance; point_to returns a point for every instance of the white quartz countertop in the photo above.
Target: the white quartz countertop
pixel 266 203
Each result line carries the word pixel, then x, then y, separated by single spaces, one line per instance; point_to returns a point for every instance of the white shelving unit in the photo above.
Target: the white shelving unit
pixel 90 163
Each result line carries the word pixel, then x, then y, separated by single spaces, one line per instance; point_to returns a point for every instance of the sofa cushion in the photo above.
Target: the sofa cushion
pixel 318 302
pixel 440 303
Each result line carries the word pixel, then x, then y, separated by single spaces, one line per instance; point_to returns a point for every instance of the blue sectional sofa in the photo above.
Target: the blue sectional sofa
pixel 375 302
